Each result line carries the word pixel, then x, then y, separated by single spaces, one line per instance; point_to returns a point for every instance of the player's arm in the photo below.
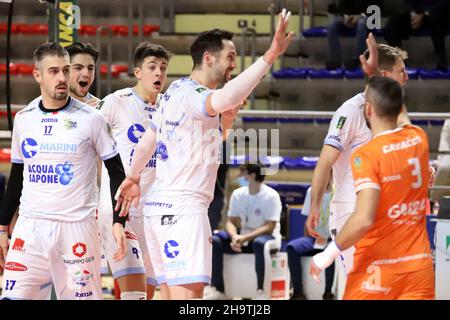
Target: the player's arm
pixel 232 225
pixel 320 180
pixel 403 118
pixel 238 89
pixel 10 205
pixel 129 191
pixel 354 229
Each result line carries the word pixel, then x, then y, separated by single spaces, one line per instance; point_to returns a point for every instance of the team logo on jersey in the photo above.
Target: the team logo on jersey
pixel 82 278
pixel 64 172
pixel 70 124
pixel 358 162
pixel 168 220
pixel 200 89
pixel 161 151
pixel 135 132
pixel 170 249
pixel 15 266
pixel 18 245
pixel 29 148
pixel 79 249
pixel 100 105
pixel 447 243
pixel 341 122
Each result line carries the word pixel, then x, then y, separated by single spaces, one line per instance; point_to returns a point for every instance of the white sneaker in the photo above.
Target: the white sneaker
pixel 215 295
pixel 261 295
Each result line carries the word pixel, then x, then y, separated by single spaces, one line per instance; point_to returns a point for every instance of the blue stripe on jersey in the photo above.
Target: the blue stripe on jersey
pixel 111 155
pixel 186 280
pixel 127 271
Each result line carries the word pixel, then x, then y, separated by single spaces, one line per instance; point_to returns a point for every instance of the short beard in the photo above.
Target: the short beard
pixel 60 96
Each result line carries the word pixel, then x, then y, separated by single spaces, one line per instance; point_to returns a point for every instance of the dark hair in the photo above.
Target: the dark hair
pixel 147 49
pixel 208 41
pixel 254 168
pixel 83 48
pixel 48 49
pixel 387 57
pixel 386 95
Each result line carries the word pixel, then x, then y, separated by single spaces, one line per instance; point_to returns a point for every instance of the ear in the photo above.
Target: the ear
pixel 208 58
pixel 37 75
pixel 368 110
pixel 137 73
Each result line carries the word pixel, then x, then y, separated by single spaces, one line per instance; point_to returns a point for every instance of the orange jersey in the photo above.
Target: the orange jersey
pixel 396 163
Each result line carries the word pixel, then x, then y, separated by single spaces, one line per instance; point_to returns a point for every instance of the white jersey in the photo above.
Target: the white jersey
pixel 348 131
pixel 188 151
pixel 255 209
pixel 128 116
pixel 59 151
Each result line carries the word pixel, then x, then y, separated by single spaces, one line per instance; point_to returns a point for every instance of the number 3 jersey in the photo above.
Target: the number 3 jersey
pixel 396 163
pixel 59 152
pixel 128 116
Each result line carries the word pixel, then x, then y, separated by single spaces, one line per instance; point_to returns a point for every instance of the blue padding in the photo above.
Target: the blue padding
pixel 377 32
pixel 354 74
pixel 272 161
pixel 326 74
pixel 419 122
pixel 290 194
pixel 296 223
pixel 237 160
pixel 434 74
pixel 291 73
pixel 315 32
pixel 282 120
pixel 302 163
pixel 413 73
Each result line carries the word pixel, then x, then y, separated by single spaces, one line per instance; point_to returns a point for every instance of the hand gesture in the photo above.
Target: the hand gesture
pixel 370 66
pixel 280 40
pixel 127 195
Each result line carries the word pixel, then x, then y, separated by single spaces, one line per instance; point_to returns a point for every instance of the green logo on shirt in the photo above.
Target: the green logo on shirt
pixel 341 122
pixel 447 243
pixel 358 162
pixel 200 89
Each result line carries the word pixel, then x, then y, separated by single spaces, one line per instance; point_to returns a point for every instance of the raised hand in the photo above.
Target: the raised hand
pixel 370 66
pixel 280 40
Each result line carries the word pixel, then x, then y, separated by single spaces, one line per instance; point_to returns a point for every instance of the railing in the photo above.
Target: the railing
pixel 162 16
pixel 108 63
pixel 245 31
pixel 329 114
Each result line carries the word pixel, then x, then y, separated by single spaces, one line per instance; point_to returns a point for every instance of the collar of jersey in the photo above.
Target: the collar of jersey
pixel 388 132
pixel 44 109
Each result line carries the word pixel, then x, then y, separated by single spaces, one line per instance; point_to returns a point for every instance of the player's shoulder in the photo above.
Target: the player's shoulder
pixel 32 106
pixel 81 108
pixel 353 107
pixel 187 86
pixel 115 99
pixel 269 190
pixel 239 192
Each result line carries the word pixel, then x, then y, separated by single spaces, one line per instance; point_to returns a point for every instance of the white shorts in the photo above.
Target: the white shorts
pixel 180 248
pixel 339 214
pixel 43 252
pixel 133 262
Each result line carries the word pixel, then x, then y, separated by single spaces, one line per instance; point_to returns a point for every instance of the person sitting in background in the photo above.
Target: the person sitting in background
pixel 309 246
pixel 253 219
pixel 443 164
pixel 347 15
pixel 419 14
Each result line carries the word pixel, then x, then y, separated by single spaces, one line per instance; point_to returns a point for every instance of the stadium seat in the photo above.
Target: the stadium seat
pixel 413 73
pixel 291 73
pixel 5 155
pixel 354 74
pixel 115 70
pixel 326 74
pixel 434 74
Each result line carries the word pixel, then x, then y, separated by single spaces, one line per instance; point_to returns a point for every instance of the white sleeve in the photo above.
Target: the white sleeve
pixel 444 143
pixel 342 128
pixel 274 207
pixel 109 107
pixel 233 210
pixel 101 137
pixel 196 101
pixel 16 153
pixel 238 89
pixel 307 203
